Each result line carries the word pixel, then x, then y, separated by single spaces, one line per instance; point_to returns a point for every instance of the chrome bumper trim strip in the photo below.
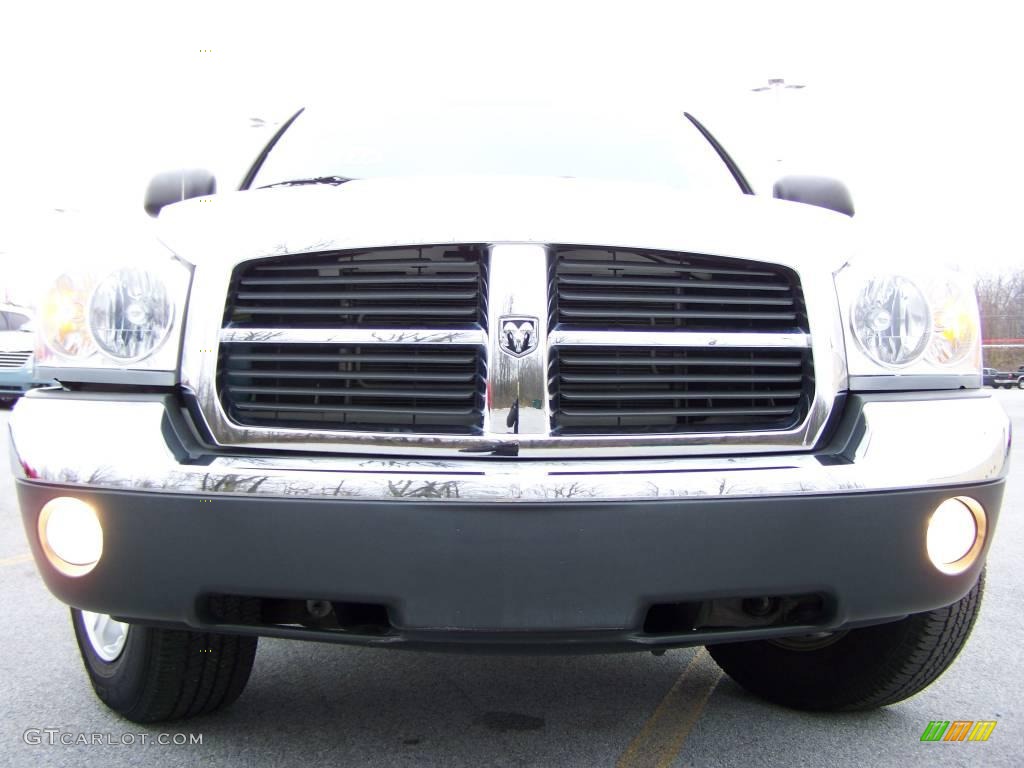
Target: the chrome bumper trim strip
pixel 119 445
pixel 351 336
pixel 681 339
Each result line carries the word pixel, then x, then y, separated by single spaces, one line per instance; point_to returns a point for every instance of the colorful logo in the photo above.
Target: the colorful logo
pixel 958 730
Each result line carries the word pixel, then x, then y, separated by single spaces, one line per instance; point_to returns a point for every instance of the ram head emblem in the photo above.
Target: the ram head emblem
pixel 518 335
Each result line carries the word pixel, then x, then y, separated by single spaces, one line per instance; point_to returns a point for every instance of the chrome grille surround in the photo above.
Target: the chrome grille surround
pixel 518 284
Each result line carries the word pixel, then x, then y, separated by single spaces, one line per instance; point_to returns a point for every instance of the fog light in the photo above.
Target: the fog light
pixel 71 535
pixel 956 533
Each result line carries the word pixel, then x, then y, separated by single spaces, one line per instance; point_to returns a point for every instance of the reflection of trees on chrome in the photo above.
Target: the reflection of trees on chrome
pixel 255 335
pixel 569 491
pixel 413 337
pixel 431 489
pixel 483 487
pixel 232 483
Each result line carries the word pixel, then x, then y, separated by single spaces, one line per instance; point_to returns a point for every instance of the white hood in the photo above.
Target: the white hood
pixel 235 226
pixel 17 341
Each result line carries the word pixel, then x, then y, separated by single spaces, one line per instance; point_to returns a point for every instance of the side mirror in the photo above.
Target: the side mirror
pixel 815 190
pixel 175 186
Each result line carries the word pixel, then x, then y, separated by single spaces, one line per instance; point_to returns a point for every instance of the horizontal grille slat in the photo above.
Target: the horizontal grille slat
pixel 666 284
pixel 371 260
pixel 358 409
pixel 636 390
pixel 668 379
pixel 611 315
pixel 422 287
pixel 426 313
pixel 325 355
pixel 396 279
pixel 348 295
pixel 365 418
pixel 14 359
pixel 677 395
pixel 639 267
pixel 696 285
pixel 320 392
pixel 362 375
pixel 622 413
pixel 611 289
pixel 655 298
pixel 696 360
pixel 421 388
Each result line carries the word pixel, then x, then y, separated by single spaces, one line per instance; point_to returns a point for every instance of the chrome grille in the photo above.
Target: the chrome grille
pixel 14 359
pixel 659 389
pixel 390 349
pixel 427 287
pixel 396 388
pixel 605 288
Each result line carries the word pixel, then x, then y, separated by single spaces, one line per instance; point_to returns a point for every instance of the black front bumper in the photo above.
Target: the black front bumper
pixel 580 575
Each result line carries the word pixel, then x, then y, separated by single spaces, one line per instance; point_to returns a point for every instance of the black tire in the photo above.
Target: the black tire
pixel 1020 383
pixel 861 669
pixel 167 674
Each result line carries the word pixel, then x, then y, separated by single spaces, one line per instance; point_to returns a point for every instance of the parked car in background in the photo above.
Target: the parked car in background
pixel 1007 379
pixel 988 377
pixel 17 342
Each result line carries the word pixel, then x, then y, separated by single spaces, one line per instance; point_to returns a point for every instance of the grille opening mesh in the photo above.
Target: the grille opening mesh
pixel 422 287
pixel 378 388
pixel 602 390
pixel 14 359
pixel 612 288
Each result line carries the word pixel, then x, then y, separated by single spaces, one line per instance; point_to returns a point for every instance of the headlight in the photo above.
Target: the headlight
pixel 891 320
pixel 130 314
pixel 96 323
pixel 910 323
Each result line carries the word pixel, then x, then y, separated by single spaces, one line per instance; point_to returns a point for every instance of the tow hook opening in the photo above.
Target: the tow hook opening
pixel 737 613
pixel 315 613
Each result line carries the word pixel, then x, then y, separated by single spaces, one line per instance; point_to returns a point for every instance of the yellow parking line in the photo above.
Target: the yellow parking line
pixel 664 734
pixel 16 559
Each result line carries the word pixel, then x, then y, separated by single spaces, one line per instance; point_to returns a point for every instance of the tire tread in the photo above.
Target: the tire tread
pixel 868 668
pixel 184 674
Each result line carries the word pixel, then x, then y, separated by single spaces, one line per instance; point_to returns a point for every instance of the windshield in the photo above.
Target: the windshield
pixel 474 139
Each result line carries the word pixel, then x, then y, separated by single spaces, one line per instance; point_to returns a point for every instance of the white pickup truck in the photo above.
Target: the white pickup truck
pixel 509 381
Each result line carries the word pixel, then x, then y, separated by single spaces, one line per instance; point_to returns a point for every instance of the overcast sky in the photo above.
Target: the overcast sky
pixel 916 105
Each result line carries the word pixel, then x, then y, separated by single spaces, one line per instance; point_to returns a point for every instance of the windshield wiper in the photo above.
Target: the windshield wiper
pixel 334 180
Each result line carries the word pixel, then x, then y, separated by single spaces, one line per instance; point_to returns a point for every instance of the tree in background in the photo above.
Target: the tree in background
pixel 1001 302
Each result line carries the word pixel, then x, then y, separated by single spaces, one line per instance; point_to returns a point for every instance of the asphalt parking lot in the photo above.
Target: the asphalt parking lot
pixel 316 704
